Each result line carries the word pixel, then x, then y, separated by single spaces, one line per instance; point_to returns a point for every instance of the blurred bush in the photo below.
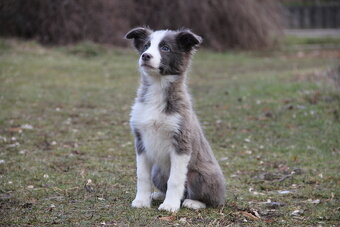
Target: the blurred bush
pixel 224 24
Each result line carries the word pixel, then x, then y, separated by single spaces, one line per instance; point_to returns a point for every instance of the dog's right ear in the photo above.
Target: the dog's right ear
pixel 139 36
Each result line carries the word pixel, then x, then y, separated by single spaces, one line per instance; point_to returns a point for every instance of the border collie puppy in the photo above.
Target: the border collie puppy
pixel 172 151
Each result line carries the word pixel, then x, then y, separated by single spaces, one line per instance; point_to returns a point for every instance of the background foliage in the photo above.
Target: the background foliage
pixel 223 24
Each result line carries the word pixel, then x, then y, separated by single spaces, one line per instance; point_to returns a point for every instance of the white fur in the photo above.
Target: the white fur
pixel 176 182
pixel 153 50
pixel 144 184
pixel 156 129
pixel 193 204
pixel 154 125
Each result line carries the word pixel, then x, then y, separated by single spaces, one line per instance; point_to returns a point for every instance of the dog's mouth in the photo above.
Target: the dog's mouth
pixel 148 66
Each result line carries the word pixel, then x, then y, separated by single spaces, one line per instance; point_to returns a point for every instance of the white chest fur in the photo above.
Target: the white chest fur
pixel 156 127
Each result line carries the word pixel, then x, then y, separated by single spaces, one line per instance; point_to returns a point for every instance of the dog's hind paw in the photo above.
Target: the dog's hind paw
pixel 193 204
pixel 158 196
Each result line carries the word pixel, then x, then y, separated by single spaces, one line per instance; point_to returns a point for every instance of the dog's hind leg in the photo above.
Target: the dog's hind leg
pixel 158 196
pixel 204 190
pixel 159 178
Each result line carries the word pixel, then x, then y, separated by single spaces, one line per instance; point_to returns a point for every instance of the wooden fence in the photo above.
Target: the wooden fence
pixel 315 16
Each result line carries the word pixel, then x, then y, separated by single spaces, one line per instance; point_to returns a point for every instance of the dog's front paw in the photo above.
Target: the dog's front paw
pixel 171 207
pixel 139 203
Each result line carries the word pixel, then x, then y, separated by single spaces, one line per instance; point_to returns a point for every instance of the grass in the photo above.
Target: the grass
pixel 272 118
pixel 326 41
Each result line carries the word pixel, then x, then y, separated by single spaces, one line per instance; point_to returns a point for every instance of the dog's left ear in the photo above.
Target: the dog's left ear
pixel 139 36
pixel 188 41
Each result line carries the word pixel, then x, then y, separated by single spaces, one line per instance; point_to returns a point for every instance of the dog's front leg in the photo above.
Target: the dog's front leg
pixel 176 182
pixel 144 184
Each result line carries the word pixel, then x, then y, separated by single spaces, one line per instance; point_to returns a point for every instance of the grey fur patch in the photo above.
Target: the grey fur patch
pixel 205 180
pixel 143 90
pixel 159 179
pixel 181 43
pixel 205 187
pixel 139 146
pixel 174 98
pixel 181 138
pixel 174 62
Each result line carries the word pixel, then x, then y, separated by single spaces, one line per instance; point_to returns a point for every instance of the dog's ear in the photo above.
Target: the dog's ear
pixel 139 36
pixel 188 41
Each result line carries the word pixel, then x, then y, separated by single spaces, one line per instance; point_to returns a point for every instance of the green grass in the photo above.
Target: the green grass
pixel 295 40
pixel 266 115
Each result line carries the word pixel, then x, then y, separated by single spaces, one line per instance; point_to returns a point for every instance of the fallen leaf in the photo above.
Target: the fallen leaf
pixel 13 145
pixel 274 205
pixel 317 201
pixel 297 212
pixel 282 192
pixel 89 186
pixel 15 130
pixel 248 152
pixel 249 215
pixel 26 126
pixel 183 220
pixel 167 218
pixel 256 213
pixel 255 192
pixel 23 152
pixel 247 140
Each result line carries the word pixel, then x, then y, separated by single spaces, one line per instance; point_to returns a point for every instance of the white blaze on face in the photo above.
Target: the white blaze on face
pixel 153 50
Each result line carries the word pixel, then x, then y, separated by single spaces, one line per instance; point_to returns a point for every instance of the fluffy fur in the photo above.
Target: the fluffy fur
pixel 171 150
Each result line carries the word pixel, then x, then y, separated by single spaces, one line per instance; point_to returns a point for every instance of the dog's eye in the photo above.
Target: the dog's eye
pixel 146 46
pixel 165 48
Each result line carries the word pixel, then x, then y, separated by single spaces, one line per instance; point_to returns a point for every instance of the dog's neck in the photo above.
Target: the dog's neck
pixel 163 81
pixel 168 90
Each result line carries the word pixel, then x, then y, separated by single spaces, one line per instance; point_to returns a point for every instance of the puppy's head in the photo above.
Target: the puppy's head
pixel 164 52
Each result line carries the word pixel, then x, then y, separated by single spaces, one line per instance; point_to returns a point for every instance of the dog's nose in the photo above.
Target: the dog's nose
pixel 146 57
